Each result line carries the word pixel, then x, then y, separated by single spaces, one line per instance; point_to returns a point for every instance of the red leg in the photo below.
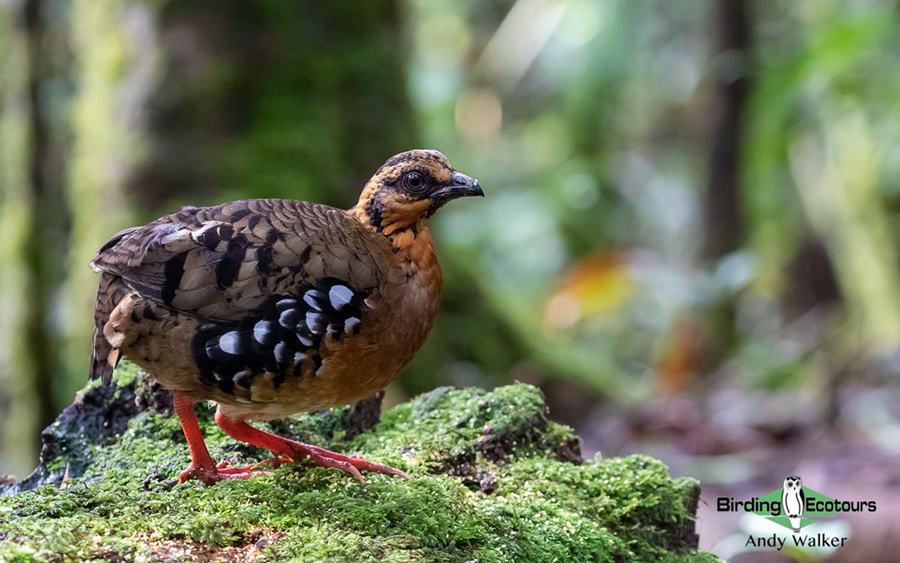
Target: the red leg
pixel 298 451
pixel 202 466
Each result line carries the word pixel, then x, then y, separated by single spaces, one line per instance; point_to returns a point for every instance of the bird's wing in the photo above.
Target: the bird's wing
pixel 219 263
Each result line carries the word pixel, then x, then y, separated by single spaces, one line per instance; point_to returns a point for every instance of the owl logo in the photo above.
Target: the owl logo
pixel 793 500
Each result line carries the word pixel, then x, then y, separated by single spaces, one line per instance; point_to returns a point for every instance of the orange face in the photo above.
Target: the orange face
pixel 409 187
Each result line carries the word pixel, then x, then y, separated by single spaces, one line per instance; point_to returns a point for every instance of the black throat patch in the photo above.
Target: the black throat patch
pixel 374 210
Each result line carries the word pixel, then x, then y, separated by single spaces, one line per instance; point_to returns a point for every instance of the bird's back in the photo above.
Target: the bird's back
pixel 269 305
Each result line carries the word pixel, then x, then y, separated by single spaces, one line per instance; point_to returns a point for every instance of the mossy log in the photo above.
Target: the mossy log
pixel 492 479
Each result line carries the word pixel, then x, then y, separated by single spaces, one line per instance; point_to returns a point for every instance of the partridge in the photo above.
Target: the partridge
pixel 271 307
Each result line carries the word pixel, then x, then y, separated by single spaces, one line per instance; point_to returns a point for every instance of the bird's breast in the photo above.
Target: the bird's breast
pixel 402 319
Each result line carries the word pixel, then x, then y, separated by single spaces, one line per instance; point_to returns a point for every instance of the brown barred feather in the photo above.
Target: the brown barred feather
pixel 104 358
pixel 219 262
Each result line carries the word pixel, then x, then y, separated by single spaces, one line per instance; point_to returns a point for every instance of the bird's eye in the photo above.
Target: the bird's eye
pixel 414 181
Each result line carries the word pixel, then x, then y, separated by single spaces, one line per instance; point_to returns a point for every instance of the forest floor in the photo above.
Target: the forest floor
pixel 492 479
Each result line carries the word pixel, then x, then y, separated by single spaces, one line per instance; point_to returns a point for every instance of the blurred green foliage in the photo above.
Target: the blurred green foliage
pixel 598 172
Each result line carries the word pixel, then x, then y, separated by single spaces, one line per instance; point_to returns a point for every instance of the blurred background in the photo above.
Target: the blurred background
pixel 690 237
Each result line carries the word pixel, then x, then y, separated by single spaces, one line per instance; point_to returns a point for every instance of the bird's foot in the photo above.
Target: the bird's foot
pixel 348 464
pixel 224 466
pixel 211 475
pixel 298 451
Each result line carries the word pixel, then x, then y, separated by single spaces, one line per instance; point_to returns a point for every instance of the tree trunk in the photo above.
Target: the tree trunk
pixel 733 58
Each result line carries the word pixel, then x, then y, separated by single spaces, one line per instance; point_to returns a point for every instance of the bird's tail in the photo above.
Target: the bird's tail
pixel 105 357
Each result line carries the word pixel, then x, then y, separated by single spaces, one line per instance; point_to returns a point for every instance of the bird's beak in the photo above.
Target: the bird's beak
pixel 460 186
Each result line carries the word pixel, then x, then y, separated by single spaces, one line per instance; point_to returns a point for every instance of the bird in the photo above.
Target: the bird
pixel 271 307
pixel 793 500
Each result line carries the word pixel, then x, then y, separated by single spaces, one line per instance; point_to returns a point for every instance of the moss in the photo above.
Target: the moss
pixel 126 505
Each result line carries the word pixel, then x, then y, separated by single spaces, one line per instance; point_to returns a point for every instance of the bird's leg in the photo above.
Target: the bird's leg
pixel 298 451
pixel 202 466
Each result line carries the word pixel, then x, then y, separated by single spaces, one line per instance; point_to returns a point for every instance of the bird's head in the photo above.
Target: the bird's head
pixel 409 188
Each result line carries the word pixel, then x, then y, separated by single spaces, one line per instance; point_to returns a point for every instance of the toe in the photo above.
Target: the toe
pixel 348 468
pixel 213 474
pixel 354 465
pixel 224 468
pixel 364 465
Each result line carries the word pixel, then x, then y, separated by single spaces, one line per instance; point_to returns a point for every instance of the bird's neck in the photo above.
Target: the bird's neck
pixel 415 249
pixel 411 241
pixel 418 267
pixel 402 230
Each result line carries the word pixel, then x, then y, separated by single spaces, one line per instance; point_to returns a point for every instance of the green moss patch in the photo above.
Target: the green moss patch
pixel 491 480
